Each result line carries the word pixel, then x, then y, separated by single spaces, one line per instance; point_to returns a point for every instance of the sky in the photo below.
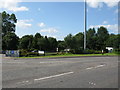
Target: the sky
pixel 58 19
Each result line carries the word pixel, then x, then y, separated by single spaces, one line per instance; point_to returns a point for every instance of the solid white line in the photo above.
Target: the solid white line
pixel 53 76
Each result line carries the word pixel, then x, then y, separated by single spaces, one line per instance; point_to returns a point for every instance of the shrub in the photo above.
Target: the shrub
pixel 117 51
pixel 76 51
pixel 88 51
pixel 25 53
pixel 31 54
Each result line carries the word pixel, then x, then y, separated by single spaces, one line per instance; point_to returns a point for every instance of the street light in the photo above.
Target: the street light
pixel 85 24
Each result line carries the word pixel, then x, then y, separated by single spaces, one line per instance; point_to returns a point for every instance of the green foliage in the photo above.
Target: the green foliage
pixel 31 54
pixel 113 41
pixel 96 40
pixel 61 45
pixel 9 38
pixel 74 42
pixel 88 51
pixel 69 41
pixel 76 51
pixel 117 51
pixel 23 52
pixel 8 23
pixel 102 36
pixel 43 43
pixel 26 53
pixel 10 41
pixel 26 42
pixel 91 37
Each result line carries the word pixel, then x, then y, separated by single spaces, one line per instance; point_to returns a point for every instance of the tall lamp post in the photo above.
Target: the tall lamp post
pixel 85 24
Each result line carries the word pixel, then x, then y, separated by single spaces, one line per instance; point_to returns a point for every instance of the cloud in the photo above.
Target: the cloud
pixel 23 23
pixel 12 5
pixel 94 4
pixel 49 30
pixel 111 4
pixel 41 24
pixel 111 28
pixel 99 3
pixel 105 22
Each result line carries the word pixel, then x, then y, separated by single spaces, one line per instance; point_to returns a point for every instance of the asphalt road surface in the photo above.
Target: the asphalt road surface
pixel 77 72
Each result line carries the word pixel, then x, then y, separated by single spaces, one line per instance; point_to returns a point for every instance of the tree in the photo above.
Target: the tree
pixel 35 41
pixel 43 43
pixel 91 39
pixel 79 40
pixel 52 44
pixel 10 41
pixel 61 45
pixel 113 41
pixel 8 23
pixel 102 36
pixel 26 42
pixel 38 35
pixel 75 43
pixel 69 41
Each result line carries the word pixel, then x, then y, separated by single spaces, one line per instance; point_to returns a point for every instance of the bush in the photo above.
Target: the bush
pixel 76 51
pixel 97 52
pixel 25 53
pixel 31 54
pixel 88 51
pixel 117 51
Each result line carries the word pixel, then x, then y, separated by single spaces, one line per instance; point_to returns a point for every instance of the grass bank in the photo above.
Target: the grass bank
pixel 73 55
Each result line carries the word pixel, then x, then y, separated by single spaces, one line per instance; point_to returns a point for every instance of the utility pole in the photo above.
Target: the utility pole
pixel 85 24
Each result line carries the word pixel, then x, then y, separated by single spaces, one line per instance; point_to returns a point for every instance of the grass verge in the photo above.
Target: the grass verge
pixel 73 55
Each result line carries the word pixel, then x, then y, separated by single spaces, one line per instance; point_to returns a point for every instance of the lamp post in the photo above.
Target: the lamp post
pixel 85 24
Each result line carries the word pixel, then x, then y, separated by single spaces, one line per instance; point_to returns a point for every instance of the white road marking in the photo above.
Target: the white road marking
pixel 90 68
pixel 95 67
pixel 42 62
pixel 53 76
pixel 99 66
pixel 23 82
pixel 91 83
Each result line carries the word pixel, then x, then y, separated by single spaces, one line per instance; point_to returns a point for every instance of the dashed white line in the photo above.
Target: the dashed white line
pixel 95 67
pixel 91 83
pixel 53 76
pixel 23 82
pixel 90 68
pixel 99 66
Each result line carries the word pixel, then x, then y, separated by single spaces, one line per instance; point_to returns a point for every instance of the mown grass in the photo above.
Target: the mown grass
pixel 73 55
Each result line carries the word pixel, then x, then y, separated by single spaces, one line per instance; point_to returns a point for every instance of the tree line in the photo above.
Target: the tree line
pixel 96 39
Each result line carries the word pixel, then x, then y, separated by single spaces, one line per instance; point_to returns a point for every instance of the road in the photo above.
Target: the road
pixel 77 72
